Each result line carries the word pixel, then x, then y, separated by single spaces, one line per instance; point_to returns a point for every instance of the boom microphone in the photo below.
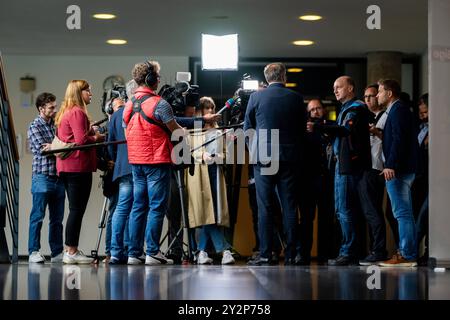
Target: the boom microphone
pixel 228 104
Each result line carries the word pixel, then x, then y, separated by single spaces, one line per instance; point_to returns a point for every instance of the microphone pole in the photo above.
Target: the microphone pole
pixel 96 123
pixel 239 125
pixel 85 146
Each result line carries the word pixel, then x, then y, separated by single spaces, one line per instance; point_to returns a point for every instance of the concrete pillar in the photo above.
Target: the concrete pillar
pixel 384 65
pixel 439 121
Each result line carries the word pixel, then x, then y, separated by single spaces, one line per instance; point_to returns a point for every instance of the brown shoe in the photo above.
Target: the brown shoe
pixel 397 260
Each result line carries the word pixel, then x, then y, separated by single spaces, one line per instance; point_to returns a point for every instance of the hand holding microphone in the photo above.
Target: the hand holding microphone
pixel 212 118
pixel 228 104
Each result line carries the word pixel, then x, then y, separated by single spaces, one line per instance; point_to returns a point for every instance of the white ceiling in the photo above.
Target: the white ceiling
pixel 173 27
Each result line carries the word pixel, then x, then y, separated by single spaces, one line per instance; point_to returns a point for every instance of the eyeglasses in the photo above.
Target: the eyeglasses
pixel 370 96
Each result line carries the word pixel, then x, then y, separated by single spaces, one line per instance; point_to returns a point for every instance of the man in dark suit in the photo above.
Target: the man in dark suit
pixel 400 153
pixel 276 113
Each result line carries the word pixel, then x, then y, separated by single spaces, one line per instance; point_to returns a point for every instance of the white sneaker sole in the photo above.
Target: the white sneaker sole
pixel 401 265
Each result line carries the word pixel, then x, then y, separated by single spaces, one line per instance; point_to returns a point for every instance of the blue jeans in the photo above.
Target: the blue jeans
pixel 151 187
pixel 119 237
pixel 46 190
pixel 111 208
pixel 215 233
pixel 346 203
pixel 399 191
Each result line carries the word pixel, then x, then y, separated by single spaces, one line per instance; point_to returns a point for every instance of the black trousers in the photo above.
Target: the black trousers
pixel 371 192
pixel 78 188
pixel 316 191
pixel 283 182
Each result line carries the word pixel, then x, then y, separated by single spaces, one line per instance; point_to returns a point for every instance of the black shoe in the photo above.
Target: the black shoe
pixel 302 261
pixel 260 261
pixel 423 261
pixel 275 258
pixel 175 257
pixel 116 261
pixel 373 258
pixel 343 261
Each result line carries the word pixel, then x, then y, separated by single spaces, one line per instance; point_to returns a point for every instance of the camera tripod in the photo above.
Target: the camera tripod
pixel 101 225
pixel 187 254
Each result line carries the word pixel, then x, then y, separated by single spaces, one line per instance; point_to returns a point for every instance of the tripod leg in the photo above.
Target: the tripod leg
pixel 181 188
pixel 101 226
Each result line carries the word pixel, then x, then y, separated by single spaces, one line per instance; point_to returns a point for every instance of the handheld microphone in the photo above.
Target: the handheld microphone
pixel 228 104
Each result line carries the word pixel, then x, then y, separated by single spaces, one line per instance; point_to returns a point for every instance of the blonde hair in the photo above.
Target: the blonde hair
pixel 72 98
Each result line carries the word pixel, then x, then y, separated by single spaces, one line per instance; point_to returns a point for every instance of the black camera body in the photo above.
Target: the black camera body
pixel 243 95
pixel 118 91
pixel 181 95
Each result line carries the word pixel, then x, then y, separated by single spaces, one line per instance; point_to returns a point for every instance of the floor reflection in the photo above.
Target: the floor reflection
pixel 66 282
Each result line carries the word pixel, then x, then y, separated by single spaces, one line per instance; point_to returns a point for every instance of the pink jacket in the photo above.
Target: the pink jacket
pixel 75 127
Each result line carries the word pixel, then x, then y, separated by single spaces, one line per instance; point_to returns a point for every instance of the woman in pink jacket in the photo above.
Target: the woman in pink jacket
pixel 72 123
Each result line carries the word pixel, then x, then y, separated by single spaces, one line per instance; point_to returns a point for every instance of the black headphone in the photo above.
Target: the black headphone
pixel 152 77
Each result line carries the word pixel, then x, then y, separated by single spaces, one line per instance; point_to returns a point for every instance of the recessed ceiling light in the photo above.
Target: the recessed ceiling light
pixel 303 42
pixel 116 41
pixel 294 70
pixel 310 17
pixel 104 16
pixel 290 85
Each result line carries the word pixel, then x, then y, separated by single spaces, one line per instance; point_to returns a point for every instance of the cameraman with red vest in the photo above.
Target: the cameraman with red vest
pixel 149 121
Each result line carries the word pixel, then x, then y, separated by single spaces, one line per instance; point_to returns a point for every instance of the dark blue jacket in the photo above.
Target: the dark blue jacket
pixel 118 152
pixel 279 108
pixel 400 146
pixel 351 144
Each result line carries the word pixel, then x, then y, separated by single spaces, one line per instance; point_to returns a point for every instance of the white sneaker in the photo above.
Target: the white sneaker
pixel 36 257
pixel 76 258
pixel 157 259
pixel 57 259
pixel 227 257
pixel 203 258
pixel 134 260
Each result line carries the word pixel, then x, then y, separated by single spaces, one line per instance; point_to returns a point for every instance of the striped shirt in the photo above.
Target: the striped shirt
pixel 41 132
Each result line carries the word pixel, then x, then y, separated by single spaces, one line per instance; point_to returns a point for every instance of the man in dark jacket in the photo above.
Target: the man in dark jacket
pixel 276 110
pixel 351 148
pixel 400 148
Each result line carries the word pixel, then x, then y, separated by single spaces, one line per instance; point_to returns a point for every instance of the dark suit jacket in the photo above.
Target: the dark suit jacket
pixel 400 146
pixel 278 108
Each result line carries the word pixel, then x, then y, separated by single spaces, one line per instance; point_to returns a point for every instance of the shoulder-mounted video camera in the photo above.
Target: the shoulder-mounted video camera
pixel 182 94
pixel 118 91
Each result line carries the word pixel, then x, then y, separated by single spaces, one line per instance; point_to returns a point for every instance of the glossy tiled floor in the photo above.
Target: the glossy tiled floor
pixel 64 282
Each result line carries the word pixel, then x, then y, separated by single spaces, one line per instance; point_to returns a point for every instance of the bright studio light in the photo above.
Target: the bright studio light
pixel 219 52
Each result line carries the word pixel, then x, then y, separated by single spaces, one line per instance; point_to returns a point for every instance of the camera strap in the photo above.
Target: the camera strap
pixel 137 108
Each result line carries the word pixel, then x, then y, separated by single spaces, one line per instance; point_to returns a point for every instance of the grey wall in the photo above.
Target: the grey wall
pixel 439 115
pixel 52 74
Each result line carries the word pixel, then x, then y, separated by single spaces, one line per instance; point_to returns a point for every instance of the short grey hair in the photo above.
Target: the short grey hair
pixel 275 72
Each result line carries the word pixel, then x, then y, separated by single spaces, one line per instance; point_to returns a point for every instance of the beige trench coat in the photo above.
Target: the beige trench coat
pixel 201 210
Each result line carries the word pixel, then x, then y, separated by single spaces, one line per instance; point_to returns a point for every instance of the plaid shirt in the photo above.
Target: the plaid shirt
pixel 41 132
